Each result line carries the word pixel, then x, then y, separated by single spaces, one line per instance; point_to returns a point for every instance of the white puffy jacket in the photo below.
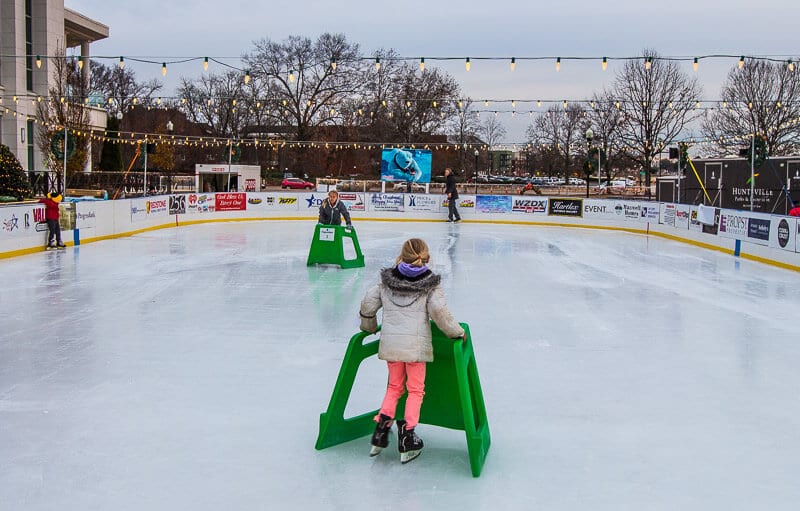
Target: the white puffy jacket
pixel 408 306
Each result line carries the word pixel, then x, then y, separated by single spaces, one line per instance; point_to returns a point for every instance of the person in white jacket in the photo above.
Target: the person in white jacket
pixel 410 296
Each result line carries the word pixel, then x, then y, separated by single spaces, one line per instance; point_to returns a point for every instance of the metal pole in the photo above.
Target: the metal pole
pixel 679 174
pixel 145 167
pixel 230 152
pixel 752 168
pixel 64 188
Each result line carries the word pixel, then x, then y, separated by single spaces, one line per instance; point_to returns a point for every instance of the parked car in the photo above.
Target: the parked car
pixel 577 181
pixel 401 186
pixel 296 183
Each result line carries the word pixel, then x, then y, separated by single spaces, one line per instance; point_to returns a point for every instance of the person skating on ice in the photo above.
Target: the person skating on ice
pixel 51 215
pixel 452 196
pixel 332 210
pixel 410 296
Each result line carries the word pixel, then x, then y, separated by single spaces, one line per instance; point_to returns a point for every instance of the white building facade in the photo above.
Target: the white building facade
pixel 30 29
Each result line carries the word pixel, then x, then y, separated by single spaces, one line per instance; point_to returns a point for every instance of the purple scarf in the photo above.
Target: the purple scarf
pixel 411 271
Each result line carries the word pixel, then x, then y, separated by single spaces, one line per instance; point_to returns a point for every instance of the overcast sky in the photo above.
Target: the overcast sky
pixel 501 28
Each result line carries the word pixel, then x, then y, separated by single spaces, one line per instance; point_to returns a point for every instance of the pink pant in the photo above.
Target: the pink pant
pixel 402 376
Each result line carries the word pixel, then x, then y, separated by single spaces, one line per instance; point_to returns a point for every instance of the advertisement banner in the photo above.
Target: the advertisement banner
pixel 682 216
pixel 255 201
pixel 631 211
pixel 387 202
pixel 783 234
pixel 565 207
pixel 758 230
pixel 85 215
pixel 230 201
pixel 732 225
pixel 138 210
pixel 406 165
pixel 493 203
pixel 22 221
pixel 666 214
pixel 596 208
pixel 177 204
pixel 710 229
pixel 527 205
pixel 353 201
pixel 202 203
pixel 422 202
pixel 249 185
pixel 156 207
pixel 694 223
pixel 465 202
pixel 649 212
pixel 305 201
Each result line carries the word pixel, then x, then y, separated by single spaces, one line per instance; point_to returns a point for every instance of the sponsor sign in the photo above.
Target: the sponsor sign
pixel 493 203
pixel 177 204
pixel 22 221
pixel 85 215
pixel 230 201
pixel 565 207
pixel 249 185
pixel 682 216
pixel 649 212
pixel 783 234
pixel 387 202
pixel 353 201
pixel 312 201
pixel 713 228
pixel 529 205
pixel 206 203
pixel 593 208
pixel 138 210
pixel 631 211
pixel 758 230
pixel 732 225
pixel 463 202
pixel 156 207
pixel 667 216
pixel 694 223
pixel 327 234
pixel 422 202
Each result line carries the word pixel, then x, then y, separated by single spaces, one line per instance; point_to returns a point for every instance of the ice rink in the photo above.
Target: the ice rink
pixel 186 369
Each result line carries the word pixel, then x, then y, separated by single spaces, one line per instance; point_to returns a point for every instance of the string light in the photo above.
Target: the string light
pixel 422 63
pixel 565 104
pixel 539 102
pixel 467 64
pixel 333 63
pixel 205 63
pixel 695 64
pixel 163 69
pixel 38 62
pixel 558 64
pixel 247 77
pixel 122 62
pixel 513 64
pixel 377 63
pixel 648 63
pixel 291 75
pixel 604 64
pixel 791 65
pixel 741 62
pixel 486 103
pixel 80 62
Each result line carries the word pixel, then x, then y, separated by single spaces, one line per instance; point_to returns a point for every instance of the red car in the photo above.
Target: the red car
pixel 296 183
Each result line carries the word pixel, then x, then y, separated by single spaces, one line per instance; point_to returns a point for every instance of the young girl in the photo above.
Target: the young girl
pixel 410 296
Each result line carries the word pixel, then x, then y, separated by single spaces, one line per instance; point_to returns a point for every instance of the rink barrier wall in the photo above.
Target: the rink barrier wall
pixel 769 239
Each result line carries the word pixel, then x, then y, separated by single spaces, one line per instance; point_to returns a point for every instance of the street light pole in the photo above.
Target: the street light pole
pixel 476 171
pixel 170 127
pixel 589 137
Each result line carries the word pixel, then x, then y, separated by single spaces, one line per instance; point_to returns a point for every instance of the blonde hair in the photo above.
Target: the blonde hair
pixel 414 252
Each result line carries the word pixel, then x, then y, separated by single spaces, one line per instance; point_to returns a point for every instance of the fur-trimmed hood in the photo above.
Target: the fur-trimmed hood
pixel 397 282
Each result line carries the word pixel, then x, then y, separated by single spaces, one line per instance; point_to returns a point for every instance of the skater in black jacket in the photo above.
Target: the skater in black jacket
pixel 332 210
pixel 452 196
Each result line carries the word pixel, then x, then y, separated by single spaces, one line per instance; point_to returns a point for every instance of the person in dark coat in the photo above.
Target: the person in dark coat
pixel 332 210
pixel 452 195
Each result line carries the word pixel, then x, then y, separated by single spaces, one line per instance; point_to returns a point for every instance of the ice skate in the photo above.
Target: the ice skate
pixel 60 246
pixel 380 438
pixel 409 444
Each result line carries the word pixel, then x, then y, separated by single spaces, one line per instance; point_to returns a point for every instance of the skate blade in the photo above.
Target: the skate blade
pixel 407 456
pixel 375 450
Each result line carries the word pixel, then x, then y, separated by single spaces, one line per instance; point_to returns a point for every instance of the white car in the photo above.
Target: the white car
pixel 402 186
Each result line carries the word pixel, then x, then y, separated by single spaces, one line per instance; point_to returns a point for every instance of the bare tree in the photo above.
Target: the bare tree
pixel 218 101
pixel 763 97
pixel 64 108
pixel 492 130
pixel 120 85
pixel 605 119
pixel 466 127
pixel 561 129
pixel 656 103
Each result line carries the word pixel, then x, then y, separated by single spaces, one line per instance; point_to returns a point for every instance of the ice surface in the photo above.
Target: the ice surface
pixel 187 368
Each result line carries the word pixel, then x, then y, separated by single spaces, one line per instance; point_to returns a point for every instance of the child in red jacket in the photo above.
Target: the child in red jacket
pixel 51 214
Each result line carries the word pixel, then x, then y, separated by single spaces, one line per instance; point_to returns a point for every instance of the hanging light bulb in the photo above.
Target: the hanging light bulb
pixel 565 104
pixel 513 104
pixel 377 63
pixel 291 75
pixel 791 65
pixel 697 105
pixel 205 63
pixel 422 63
pixel 80 62
pixel 467 64
pixel 460 104
pixel 648 63
pixel 725 105
pixel 513 64
pixel 38 62
pixel 434 103
pixel 163 69
pixel 741 62
pixel 486 103
pixel 695 64
pixel 247 77
pixel 539 102
pixel 604 64
pixel 558 64
pixel 333 63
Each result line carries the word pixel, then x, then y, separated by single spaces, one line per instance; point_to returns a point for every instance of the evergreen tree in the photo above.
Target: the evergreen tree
pixel 13 180
pixel 111 155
